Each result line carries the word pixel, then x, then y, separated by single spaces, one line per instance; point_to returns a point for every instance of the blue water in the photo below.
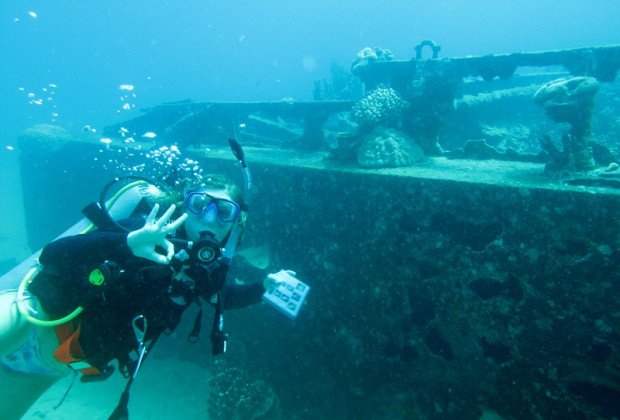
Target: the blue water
pixel 97 63
pixel 241 50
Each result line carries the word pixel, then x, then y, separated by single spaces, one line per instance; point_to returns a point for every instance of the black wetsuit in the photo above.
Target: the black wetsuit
pixel 137 287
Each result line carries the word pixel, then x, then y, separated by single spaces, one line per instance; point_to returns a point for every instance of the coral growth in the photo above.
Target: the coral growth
pixel 507 135
pixel 43 136
pixel 381 106
pixel 570 101
pixel 386 147
pixel 341 86
pixel 368 56
pixel 235 396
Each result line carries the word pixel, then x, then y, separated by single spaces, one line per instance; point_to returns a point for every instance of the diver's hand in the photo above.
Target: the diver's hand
pixel 273 280
pixel 142 242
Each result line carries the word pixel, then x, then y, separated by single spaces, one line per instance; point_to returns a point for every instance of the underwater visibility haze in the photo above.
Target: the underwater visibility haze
pixel 444 177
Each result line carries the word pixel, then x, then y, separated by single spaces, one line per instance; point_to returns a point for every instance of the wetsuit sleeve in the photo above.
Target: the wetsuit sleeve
pixel 62 284
pixel 241 295
pixel 86 249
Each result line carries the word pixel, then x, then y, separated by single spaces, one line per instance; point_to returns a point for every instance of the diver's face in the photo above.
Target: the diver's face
pixel 205 213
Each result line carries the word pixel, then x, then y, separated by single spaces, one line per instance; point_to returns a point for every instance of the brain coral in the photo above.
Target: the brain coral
pixel 381 106
pixel 43 136
pixel 566 100
pixel 369 55
pixel 386 147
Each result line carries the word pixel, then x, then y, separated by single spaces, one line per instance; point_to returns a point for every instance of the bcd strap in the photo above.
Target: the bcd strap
pixel 98 217
pixel 194 335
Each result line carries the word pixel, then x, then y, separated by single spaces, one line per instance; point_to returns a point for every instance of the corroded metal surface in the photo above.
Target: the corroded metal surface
pixel 600 62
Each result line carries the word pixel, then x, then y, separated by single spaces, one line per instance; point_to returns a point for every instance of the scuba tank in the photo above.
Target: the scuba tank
pixel 121 206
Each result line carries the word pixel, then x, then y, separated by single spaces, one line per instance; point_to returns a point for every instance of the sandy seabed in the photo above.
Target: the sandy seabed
pixel 164 388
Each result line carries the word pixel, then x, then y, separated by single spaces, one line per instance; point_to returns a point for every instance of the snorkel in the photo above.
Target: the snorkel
pixel 247 176
pixel 237 230
pixel 100 215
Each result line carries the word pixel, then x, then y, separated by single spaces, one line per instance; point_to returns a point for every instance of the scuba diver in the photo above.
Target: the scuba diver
pixel 110 293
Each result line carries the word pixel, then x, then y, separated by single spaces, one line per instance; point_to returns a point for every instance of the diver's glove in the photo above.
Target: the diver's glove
pixel 143 242
pixel 273 280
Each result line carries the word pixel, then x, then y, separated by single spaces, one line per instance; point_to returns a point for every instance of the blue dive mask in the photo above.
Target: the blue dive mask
pixel 200 202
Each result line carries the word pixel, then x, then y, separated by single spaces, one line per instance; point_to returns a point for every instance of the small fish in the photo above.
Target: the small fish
pixel 126 87
pixel 32 14
pixel 10 148
pixel 53 85
pixel 149 135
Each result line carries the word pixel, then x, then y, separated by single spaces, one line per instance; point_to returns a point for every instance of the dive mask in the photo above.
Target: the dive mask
pixel 200 202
